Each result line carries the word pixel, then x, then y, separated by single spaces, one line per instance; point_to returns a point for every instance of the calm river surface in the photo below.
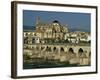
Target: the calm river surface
pixel 46 64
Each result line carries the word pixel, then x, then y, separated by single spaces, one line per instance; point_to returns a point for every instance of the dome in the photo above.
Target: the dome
pixel 55 21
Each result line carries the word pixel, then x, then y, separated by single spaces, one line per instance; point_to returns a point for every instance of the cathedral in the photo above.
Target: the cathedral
pixel 46 32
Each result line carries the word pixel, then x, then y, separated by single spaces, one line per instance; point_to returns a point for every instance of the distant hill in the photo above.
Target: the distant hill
pixel 29 27
pixel 74 29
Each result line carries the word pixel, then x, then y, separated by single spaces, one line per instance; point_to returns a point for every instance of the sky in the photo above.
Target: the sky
pixel 75 21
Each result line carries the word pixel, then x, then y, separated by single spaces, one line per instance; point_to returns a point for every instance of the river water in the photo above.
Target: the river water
pixel 47 64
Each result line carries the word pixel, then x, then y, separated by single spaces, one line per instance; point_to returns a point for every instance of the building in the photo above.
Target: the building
pixel 44 32
pixel 54 32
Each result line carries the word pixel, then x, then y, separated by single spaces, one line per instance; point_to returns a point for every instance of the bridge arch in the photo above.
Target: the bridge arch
pixel 90 54
pixel 33 48
pixel 71 51
pixel 61 49
pixel 80 51
pixel 48 48
pixel 42 47
pixel 55 49
pixel 37 47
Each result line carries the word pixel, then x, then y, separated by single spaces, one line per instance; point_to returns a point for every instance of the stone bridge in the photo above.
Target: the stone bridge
pixel 77 49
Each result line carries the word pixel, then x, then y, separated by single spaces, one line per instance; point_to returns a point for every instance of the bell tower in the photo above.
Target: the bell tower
pixel 37 20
